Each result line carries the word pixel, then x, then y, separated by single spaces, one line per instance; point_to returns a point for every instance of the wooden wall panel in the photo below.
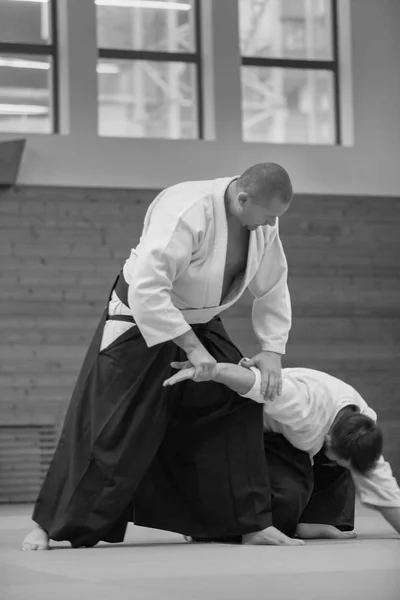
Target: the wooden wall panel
pixel 25 455
pixel 60 250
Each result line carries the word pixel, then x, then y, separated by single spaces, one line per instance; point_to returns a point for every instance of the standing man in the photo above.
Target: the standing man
pixel 203 243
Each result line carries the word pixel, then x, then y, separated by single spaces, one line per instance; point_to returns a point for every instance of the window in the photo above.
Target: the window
pixel 289 73
pixel 149 75
pixel 28 66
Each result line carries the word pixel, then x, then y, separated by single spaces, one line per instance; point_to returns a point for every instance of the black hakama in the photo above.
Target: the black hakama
pixel 302 492
pixel 129 448
pixel 333 495
pixel 306 493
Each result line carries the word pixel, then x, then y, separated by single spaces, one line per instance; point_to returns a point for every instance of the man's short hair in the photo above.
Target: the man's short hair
pixel 357 438
pixel 264 180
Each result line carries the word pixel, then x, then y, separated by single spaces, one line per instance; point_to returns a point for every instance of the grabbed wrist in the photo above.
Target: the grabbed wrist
pixel 278 354
pixel 217 372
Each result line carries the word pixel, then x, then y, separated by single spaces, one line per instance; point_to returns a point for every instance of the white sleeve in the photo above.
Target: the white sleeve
pixel 272 313
pixel 255 392
pixel 379 488
pixel 164 252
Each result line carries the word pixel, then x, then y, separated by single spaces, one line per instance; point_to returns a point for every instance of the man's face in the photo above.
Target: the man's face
pixel 254 215
pixel 329 453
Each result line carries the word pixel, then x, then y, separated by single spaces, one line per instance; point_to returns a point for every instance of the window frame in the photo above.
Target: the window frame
pixel 331 65
pixel 156 56
pixel 50 50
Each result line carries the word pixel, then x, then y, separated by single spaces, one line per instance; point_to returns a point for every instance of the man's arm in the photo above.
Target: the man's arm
pixel 272 313
pixel 172 232
pixel 170 237
pixel 245 382
pixel 236 378
pixel 380 491
pixel 198 357
pixel 392 516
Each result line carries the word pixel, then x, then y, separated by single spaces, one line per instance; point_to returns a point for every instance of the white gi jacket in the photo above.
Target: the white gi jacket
pixel 304 413
pixel 175 274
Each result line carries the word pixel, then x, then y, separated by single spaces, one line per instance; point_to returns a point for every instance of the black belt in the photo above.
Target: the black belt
pixel 121 289
pixel 125 318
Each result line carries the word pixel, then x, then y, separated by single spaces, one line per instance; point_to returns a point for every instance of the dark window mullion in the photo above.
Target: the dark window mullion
pixel 285 63
pixel 31 49
pixel 338 132
pixel 117 54
pixel 199 71
pixel 55 69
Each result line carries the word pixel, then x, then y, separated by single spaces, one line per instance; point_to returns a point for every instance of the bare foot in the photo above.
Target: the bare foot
pixel 37 539
pixel 309 531
pixel 270 537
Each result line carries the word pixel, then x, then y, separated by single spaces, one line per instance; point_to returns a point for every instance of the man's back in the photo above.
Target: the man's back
pixel 308 405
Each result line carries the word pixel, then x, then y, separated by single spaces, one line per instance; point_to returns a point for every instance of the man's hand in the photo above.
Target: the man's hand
pixel 201 366
pixel 270 366
pixel 186 372
pixel 198 357
pixel 204 364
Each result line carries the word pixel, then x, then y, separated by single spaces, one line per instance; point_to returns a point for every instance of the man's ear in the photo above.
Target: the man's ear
pixel 243 198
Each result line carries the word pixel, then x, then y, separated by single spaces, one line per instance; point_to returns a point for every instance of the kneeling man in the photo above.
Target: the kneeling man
pixel 329 421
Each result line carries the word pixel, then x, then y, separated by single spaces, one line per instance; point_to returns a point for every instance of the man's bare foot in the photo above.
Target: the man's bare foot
pixel 270 537
pixel 37 539
pixel 308 531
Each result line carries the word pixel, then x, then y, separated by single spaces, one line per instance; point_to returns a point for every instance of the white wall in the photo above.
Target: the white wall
pixel 371 166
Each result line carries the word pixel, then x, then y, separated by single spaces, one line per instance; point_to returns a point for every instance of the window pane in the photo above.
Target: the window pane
pixel 288 105
pixel 25 22
pixel 299 29
pixel 146 25
pixel 25 96
pixel 147 99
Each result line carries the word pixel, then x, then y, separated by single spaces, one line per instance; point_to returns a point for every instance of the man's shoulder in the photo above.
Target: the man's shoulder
pixel 201 184
pixel 182 199
pixel 194 197
pixel 195 191
pixel 188 194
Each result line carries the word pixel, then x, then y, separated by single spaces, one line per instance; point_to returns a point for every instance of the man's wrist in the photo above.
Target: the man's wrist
pixel 272 352
pixel 188 342
pixel 218 371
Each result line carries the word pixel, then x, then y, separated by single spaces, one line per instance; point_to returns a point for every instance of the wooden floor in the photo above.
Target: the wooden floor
pixel 161 566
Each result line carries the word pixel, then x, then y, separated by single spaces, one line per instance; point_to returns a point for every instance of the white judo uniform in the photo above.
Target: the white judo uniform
pixel 304 413
pixel 175 273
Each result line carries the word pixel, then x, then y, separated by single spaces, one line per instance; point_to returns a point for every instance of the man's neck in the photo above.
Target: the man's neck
pixel 229 201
